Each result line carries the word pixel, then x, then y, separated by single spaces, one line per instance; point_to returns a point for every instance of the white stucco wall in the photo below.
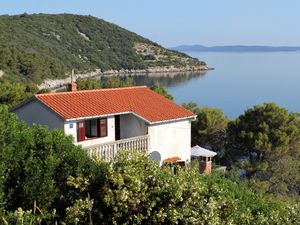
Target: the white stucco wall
pixel 132 126
pixel 36 112
pixel 171 139
pixel 70 128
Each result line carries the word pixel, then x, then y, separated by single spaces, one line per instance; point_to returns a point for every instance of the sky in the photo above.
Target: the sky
pixel 175 22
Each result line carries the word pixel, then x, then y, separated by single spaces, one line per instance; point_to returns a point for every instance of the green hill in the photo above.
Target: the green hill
pixel 39 46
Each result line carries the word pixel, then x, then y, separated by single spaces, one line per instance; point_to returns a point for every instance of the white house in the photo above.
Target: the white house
pixel 106 121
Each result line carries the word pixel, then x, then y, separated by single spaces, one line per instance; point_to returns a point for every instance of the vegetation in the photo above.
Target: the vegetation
pixel 269 137
pixel 209 129
pixel 88 84
pixel 13 93
pixel 160 90
pixel 264 141
pixel 105 82
pixel 35 166
pixel 117 81
pixel 45 179
pixel 39 46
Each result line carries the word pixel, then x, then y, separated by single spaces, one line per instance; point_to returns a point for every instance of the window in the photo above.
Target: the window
pixel 91 129
pixel 103 127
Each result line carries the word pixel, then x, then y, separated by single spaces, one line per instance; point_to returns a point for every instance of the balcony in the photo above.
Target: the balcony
pixel 109 151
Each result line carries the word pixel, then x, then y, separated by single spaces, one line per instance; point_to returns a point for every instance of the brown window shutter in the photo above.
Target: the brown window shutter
pixel 80 131
pixel 98 128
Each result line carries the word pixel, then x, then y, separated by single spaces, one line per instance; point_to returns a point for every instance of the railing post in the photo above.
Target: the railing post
pixel 109 151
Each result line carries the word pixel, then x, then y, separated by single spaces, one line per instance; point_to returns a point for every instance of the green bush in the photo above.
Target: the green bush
pixel 36 164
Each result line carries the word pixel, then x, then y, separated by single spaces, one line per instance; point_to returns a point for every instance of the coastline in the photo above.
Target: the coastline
pixel 59 83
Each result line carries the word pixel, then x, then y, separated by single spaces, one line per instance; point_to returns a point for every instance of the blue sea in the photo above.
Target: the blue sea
pixel 239 81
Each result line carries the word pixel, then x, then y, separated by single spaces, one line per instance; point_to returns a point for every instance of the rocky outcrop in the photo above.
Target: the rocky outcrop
pixel 56 84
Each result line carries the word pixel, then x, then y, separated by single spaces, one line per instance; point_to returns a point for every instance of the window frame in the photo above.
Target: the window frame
pixel 100 126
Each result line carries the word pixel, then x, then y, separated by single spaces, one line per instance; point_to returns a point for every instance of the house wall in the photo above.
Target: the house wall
pixel 170 139
pixel 36 112
pixel 132 126
pixel 70 128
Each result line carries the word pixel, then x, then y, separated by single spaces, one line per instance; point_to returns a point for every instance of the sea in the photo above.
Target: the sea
pixel 238 82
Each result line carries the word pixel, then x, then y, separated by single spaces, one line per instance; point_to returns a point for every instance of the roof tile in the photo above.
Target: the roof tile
pixel 140 100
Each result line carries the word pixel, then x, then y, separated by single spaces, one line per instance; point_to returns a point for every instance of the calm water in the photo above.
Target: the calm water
pixel 239 81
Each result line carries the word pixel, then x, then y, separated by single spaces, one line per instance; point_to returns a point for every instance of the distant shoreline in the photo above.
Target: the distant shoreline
pixel 235 48
pixel 59 83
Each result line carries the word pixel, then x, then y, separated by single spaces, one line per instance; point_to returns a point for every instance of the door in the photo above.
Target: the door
pixel 80 131
pixel 117 127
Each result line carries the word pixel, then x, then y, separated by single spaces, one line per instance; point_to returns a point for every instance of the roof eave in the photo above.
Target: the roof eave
pixel 192 118
pixel 105 115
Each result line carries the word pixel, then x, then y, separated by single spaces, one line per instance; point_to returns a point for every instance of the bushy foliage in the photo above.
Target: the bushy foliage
pixel 162 91
pixel 138 191
pixel 116 81
pixel 269 137
pixel 88 83
pixel 209 128
pixel 104 82
pixel 12 93
pixel 35 165
pixel 22 65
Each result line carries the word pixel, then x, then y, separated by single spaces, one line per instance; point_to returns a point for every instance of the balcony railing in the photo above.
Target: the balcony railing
pixel 109 151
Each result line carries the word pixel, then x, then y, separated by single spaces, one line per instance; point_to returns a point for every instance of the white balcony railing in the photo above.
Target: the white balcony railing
pixel 108 151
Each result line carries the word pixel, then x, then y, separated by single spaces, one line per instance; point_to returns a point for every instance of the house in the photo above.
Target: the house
pixel 106 121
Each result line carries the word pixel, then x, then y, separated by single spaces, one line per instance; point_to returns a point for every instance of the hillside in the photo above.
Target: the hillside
pixel 235 48
pixel 41 46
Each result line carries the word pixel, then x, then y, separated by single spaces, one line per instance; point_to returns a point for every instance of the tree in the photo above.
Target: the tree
pixel 117 81
pixel 160 90
pixel 269 136
pixel 88 83
pixel 12 93
pixel 209 129
pixel 35 166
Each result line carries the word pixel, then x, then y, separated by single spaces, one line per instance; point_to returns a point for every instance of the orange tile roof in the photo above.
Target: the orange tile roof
pixel 172 159
pixel 139 100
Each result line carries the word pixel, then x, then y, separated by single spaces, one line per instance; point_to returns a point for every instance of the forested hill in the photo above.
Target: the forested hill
pixel 39 46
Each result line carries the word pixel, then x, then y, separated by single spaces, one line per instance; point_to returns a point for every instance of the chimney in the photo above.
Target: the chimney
pixel 205 164
pixel 72 86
